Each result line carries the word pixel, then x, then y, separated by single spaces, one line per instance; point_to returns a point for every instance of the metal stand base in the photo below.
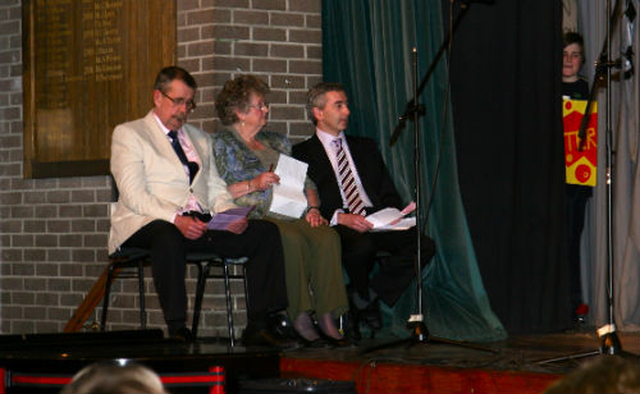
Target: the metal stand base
pixel 420 335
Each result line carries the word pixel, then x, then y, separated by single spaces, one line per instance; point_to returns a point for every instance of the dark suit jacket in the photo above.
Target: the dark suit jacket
pixel 371 168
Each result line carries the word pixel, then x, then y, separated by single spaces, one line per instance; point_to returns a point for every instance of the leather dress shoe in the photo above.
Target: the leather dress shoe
pixel 181 335
pixel 282 325
pixel 350 326
pixel 261 336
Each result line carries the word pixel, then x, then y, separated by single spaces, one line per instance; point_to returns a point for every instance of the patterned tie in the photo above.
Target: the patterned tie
pixel 193 166
pixel 349 187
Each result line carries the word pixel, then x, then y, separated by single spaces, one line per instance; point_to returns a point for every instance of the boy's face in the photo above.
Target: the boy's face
pixel 572 62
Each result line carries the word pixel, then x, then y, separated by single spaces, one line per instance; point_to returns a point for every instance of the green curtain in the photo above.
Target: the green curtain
pixel 367 47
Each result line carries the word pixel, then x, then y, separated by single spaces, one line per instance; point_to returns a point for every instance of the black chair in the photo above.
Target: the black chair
pixel 205 262
pixel 130 263
pixel 120 264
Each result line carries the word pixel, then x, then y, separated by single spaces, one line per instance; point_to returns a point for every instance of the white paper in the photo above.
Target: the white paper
pixel 403 224
pixel 392 219
pixel 384 217
pixel 288 196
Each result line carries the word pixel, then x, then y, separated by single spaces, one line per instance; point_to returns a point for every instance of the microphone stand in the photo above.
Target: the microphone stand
pixel 610 342
pixel 414 110
pixel 411 106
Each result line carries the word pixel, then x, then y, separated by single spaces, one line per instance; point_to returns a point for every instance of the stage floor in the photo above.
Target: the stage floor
pixel 432 367
pixel 516 365
pixel 518 353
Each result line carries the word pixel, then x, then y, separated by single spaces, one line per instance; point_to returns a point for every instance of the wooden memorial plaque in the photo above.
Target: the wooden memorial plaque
pixel 88 66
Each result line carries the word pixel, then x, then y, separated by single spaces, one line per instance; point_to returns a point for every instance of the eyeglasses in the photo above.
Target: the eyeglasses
pixel 260 107
pixel 190 104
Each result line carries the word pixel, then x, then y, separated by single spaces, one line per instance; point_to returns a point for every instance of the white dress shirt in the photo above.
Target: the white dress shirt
pixel 327 142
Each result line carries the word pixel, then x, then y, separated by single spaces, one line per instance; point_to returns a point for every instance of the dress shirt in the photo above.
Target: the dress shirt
pixel 187 147
pixel 327 142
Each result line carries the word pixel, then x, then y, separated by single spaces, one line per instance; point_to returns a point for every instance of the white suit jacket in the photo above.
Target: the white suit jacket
pixel 151 180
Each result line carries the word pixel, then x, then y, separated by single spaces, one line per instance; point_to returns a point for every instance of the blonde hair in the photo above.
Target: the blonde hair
pixel 110 378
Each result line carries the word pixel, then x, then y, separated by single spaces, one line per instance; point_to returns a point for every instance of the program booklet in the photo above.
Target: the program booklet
pixel 222 220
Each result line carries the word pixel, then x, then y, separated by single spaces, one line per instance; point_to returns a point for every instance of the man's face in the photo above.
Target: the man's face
pixel 334 116
pixel 173 106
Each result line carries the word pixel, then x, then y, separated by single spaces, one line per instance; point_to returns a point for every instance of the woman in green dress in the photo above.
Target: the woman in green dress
pixel 245 155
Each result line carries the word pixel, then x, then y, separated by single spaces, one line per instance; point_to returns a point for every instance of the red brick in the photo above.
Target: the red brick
pixel 269 34
pixel 314 6
pixel 243 17
pixel 288 51
pixel 286 19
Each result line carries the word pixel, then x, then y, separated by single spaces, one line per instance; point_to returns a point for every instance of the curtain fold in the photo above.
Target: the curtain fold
pixel 367 46
pixel 624 108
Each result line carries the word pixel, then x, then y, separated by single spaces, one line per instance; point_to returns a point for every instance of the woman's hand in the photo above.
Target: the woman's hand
pixel 314 218
pixel 264 181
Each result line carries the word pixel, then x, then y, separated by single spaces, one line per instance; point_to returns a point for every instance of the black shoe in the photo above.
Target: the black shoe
pixel 282 325
pixel 371 315
pixel 181 335
pixel 256 336
pixel 350 326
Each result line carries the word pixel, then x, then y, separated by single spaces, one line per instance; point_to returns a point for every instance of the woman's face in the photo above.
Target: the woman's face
pixel 257 113
pixel 572 62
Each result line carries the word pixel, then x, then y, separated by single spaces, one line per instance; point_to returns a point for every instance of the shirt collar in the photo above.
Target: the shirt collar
pixel 162 126
pixel 327 138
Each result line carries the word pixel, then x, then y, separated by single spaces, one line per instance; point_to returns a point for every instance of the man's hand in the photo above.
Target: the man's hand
pixel 314 218
pixel 238 226
pixel 190 227
pixel 355 222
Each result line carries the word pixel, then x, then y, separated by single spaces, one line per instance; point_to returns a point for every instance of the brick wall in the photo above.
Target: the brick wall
pixel 53 232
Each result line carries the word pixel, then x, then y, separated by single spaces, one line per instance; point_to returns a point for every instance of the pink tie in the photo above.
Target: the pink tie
pixel 349 187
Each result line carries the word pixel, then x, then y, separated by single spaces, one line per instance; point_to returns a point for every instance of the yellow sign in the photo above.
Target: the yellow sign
pixel 581 155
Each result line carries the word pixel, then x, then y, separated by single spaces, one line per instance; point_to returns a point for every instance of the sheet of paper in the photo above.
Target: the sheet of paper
pixel 222 220
pixel 389 219
pixel 288 196
pixel 384 217
pixel 403 224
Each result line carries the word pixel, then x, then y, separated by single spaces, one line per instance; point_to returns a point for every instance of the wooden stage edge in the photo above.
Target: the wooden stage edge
pixel 515 365
pixel 380 377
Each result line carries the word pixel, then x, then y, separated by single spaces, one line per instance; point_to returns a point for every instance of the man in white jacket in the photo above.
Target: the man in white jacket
pixel 168 186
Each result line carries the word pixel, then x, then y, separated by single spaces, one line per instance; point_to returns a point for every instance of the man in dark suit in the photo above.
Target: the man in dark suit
pixel 337 162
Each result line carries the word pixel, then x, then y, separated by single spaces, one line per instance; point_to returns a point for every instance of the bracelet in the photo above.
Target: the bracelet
pixel 248 186
pixel 306 211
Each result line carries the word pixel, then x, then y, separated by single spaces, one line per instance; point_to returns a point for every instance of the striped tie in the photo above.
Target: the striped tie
pixel 349 187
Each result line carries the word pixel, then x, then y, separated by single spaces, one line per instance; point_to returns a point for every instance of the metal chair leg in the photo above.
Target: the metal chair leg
pixel 203 273
pixel 105 300
pixel 143 312
pixel 227 293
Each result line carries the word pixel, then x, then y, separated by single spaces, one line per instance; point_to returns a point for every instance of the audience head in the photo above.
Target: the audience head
pixel 111 378
pixel 572 56
pixel 606 374
pixel 239 96
pixel 173 96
